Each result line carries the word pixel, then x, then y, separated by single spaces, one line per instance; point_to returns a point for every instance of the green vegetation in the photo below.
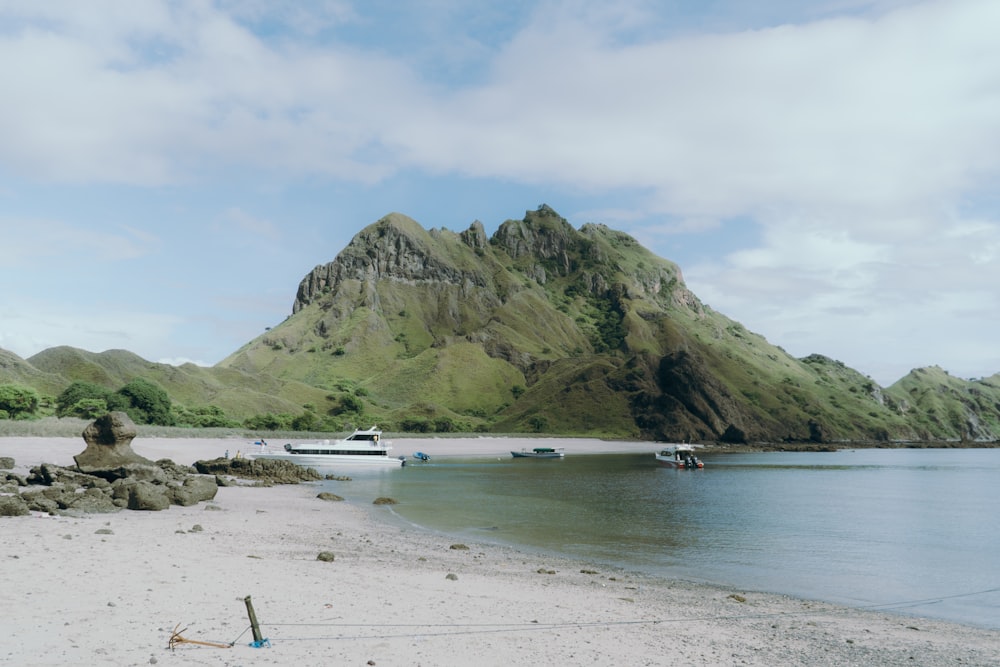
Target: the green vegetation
pixel 540 329
pixel 17 402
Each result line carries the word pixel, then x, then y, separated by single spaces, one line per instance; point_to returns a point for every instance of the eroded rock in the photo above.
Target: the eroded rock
pixel 109 444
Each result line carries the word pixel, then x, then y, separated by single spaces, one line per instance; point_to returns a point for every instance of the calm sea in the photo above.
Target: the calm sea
pixel 909 530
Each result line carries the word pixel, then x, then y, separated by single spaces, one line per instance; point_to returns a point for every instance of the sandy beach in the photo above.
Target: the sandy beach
pixel 109 589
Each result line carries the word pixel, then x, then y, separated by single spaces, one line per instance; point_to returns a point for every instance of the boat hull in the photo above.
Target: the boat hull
pixel 671 463
pixel 331 460
pixel 533 455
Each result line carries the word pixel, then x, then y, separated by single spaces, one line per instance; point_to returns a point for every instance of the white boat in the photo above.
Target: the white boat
pixel 678 455
pixel 365 448
pixel 539 453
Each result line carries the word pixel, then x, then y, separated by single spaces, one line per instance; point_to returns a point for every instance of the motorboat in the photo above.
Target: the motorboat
pixel 420 456
pixel 363 447
pixel 539 453
pixel 678 455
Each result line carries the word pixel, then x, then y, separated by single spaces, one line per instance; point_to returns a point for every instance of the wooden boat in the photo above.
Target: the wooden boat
pixel 539 453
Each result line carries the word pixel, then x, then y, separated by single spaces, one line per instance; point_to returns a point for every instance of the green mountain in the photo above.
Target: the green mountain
pixel 540 328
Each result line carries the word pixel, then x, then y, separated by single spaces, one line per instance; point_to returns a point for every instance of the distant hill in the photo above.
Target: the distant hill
pixel 539 328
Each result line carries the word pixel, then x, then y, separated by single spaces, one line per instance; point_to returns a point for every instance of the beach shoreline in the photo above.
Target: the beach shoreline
pixel 108 589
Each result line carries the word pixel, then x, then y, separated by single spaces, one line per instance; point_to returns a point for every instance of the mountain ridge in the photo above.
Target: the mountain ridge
pixel 546 328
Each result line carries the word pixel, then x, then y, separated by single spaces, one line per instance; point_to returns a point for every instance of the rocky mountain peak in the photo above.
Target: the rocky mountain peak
pixel 543 234
pixel 393 248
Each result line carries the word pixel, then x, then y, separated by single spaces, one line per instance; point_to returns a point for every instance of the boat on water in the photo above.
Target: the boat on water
pixel 679 455
pixel 420 456
pixel 364 448
pixel 539 453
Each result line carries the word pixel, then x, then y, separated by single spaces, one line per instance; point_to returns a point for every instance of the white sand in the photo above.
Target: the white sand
pixel 108 589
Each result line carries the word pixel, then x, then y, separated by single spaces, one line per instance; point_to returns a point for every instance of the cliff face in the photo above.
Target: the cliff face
pixel 395 248
pixel 546 327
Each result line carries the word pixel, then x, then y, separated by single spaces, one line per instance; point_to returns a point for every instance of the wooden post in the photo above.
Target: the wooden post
pixel 253 621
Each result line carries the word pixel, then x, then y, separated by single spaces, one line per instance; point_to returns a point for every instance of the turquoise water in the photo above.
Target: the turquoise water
pixel 913 530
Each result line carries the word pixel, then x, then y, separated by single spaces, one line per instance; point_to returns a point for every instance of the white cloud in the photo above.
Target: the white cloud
pixel 862 145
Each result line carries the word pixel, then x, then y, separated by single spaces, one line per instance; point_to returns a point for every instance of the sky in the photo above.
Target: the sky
pixel 824 172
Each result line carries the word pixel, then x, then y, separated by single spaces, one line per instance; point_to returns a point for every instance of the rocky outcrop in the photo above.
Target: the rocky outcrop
pixel 394 248
pixel 58 490
pixel 266 472
pixel 108 477
pixel 109 444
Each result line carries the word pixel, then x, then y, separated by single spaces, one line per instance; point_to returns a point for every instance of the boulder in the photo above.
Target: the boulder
pixel 38 501
pixel 90 501
pixel 147 496
pixel 109 444
pixel 6 462
pixel 13 506
pixel 194 489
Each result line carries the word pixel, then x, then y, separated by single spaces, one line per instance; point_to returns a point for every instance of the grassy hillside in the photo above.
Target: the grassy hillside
pixel 540 328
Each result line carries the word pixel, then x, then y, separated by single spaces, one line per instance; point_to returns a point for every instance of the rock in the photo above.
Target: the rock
pixel 109 443
pixel 268 471
pixel 194 489
pixel 6 462
pixel 383 500
pixel 38 502
pixel 14 478
pixel 326 556
pixel 90 501
pixel 326 495
pixel 147 496
pixel 13 506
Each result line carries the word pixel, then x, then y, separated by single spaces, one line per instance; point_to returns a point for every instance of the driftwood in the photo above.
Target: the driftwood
pixel 175 639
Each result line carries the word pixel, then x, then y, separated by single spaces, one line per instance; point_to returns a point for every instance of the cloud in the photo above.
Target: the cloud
pixel 848 113
pixel 856 138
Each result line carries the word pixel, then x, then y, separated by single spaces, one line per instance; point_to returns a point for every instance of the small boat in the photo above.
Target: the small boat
pixel 364 447
pixel 679 455
pixel 539 453
pixel 420 456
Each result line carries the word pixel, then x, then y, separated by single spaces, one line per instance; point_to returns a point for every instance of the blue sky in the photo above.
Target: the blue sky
pixel 823 172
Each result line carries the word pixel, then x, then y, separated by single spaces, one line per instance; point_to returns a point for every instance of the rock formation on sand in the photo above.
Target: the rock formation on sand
pixel 109 444
pixel 110 476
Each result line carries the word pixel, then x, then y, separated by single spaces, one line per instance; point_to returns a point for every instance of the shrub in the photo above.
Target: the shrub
pixel 269 422
pixel 18 401
pixel 87 408
pixel 349 403
pixel 79 391
pixel 444 425
pixel 307 421
pixel 147 402
pixel 206 416
pixel 538 423
pixel 415 425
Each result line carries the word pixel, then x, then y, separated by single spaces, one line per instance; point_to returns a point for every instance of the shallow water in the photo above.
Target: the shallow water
pixel 913 530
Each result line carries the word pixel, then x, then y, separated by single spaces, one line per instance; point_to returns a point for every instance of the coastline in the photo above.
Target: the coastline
pixel 108 589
